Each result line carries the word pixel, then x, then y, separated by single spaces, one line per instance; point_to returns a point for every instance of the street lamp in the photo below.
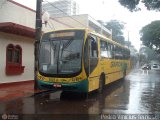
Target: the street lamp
pixel 45 17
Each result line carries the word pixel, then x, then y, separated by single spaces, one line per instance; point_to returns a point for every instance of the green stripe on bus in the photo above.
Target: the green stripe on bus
pixel 81 86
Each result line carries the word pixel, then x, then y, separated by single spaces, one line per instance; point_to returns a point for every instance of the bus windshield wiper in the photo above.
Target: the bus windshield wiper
pixel 67 44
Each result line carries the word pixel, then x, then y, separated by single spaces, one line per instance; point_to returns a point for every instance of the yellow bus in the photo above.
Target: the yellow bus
pixel 80 60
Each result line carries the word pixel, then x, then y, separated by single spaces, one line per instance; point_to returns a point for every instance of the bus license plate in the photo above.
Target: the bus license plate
pixel 57 85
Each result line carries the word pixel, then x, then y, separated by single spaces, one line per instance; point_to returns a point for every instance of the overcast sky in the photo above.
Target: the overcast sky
pixel 111 9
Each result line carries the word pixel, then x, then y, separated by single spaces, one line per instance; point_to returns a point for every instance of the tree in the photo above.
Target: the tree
pixel 117 30
pixel 150 35
pixel 150 54
pixel 142 59
pixel 132 5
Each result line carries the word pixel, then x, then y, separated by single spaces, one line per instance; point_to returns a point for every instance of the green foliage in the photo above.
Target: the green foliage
pixel 150 54
pixel 117 30
pixel 152 4
pixel 142 59
pixel 150 35
pixel 132 5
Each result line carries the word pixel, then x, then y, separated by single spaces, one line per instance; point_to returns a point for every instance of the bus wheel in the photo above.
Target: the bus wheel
pixel 101 83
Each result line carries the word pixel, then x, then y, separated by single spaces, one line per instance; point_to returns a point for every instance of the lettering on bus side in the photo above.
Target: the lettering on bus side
pixel 39 77
pixel 118 64
pixel 58 80
pixel 53 80
pixel 75 79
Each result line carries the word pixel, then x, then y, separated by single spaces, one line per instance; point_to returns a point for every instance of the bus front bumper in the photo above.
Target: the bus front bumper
pixel 81 86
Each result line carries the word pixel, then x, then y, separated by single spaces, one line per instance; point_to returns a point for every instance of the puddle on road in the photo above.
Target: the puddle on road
pixel 136 94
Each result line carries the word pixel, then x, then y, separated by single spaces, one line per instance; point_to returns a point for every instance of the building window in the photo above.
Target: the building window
pixel 14 60
pixel 10 50
pixel 17 55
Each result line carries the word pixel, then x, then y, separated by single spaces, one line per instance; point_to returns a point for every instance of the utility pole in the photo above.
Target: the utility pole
pixel 38 34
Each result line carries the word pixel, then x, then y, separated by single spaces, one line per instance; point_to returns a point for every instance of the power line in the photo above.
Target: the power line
pixel 58 21
pixel 56 3
pixel 65 13
pixel 51 25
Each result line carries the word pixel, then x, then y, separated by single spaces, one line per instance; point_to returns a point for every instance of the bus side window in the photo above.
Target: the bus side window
pixel 94 47
pixel 116 52
pixel 120 53
pixel 123 53
pixel 109 50
pixel 104 49
pixel 122 57
pixel 128 54
pixel 86 57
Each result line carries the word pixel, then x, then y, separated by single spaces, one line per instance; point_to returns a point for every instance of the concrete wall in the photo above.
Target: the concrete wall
pixel 78 21
pixel 10 12
pixel 27 57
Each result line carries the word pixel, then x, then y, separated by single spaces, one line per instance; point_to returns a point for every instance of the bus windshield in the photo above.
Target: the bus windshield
pixel 60 52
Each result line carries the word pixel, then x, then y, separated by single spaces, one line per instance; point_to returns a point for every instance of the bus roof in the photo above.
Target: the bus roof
pixel 66 29
pixel 92 32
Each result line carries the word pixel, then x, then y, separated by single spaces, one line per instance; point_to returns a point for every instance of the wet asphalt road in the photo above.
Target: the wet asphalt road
pixel 138 94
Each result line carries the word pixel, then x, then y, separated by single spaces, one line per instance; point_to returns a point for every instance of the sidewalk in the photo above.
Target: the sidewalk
pixel 16 90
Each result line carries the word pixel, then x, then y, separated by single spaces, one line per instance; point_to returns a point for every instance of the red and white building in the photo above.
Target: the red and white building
pixel 16 42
